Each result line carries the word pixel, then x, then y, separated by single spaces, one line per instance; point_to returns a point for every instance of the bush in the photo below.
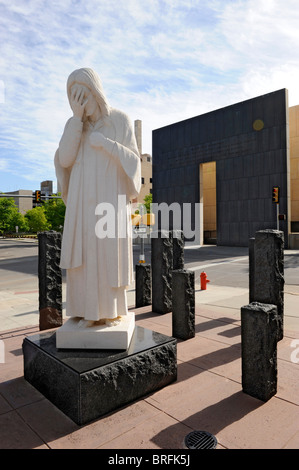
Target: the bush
pixel 10 217
pixel 37 220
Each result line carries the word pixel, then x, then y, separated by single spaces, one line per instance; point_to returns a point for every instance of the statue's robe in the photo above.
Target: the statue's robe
pixel 98 269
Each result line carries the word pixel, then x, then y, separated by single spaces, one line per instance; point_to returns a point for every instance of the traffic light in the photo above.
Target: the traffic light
pixel 37 196
pixel 275 194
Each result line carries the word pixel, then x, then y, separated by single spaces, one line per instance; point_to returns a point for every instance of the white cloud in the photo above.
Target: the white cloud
pixel 160 61
pixel 3 164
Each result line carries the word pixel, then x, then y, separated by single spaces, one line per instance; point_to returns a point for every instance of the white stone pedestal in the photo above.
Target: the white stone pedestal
pixel 72 335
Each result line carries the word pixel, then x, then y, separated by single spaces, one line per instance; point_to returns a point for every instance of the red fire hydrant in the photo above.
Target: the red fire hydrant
pixel 203 281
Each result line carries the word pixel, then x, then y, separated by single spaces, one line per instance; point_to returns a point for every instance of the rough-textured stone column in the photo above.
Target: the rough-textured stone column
pixel 162 265
pixel 143 285
pixel 251 269
pixel 259 350
pixel 50 280
pixel 267 264
pixel 183 304
pixel 178 242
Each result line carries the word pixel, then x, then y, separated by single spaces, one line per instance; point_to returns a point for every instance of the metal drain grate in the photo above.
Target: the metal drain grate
pixel 200 440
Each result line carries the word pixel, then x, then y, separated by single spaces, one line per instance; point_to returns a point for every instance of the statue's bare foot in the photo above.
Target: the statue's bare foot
pixel 113 321
pixel 103 321
pixel 85 323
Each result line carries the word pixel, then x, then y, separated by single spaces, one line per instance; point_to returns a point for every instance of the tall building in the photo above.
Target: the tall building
pixel 146 165
pixel 225 163
pixel 294 166
pixel 47 187
pixel 24 204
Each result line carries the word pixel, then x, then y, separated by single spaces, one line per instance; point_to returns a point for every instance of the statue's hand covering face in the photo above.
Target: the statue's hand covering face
pixel 85 84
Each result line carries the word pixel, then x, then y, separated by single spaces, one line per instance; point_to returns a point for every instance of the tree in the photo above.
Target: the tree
pixel 18 220
pixel 148 200
pixel 37 220
pixel 55 212
pixel 10 216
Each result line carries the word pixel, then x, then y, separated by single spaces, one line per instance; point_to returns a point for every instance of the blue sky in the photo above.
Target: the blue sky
pixel 160 61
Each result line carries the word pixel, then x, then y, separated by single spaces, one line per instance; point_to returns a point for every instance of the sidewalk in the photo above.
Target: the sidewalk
pixel 206 396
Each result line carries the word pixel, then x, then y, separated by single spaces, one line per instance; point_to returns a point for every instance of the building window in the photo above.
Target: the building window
pixel 148 159
pixel 142 180
pixel 151 180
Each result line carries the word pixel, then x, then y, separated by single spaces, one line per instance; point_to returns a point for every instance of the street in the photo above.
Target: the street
pixel 224 265
pixel 226 268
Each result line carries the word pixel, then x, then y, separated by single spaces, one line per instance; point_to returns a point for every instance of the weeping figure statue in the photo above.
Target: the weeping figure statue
pixel 96 162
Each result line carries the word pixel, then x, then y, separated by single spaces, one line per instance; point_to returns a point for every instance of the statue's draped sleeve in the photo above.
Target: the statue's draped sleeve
pixel 125 153
pixel 66 154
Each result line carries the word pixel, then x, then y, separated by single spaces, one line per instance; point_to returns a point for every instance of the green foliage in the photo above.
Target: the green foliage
pixel 18 220
pixel 36 219
pixel 55 212
pixel 50 215
pixel 10 217
pixel 148 200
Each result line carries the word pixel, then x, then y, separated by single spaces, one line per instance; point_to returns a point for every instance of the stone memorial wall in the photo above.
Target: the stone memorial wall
pixel 249 143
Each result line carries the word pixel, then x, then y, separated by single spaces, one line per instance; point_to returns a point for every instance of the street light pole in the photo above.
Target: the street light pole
pixel 141 226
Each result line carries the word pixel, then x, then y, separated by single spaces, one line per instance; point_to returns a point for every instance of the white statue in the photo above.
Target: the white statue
pixel 96 162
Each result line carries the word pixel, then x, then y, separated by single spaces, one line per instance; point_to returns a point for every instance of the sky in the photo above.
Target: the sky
pixel 160 61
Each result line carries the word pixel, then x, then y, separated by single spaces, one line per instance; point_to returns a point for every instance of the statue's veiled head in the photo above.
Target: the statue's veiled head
pixel 86 77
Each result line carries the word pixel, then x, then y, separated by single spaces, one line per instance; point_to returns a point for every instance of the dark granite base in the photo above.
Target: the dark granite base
pixel 88 384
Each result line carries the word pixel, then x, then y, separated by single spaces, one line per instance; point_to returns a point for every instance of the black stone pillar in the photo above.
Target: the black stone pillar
pixel 266 261
pixel 162 265
pixel 183 304
pixel 50 280
pixel 143 285
pixel 178 242
pixel 259 350
pixel 251 269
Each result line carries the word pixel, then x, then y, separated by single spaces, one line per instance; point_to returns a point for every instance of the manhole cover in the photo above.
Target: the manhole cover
pixel 200 440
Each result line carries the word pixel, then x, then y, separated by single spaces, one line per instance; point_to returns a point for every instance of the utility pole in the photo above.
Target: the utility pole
pixel 275 199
